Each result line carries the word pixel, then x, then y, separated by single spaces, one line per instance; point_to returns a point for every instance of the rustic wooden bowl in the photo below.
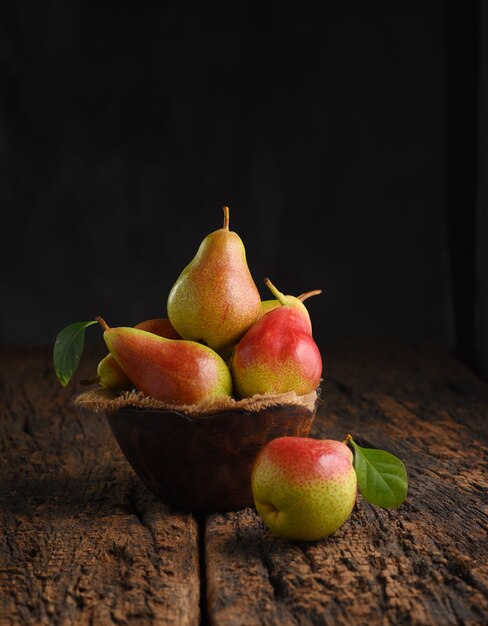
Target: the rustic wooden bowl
pixel 204 462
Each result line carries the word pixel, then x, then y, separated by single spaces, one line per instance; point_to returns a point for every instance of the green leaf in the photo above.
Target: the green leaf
pixel 382 477
pixel 68 349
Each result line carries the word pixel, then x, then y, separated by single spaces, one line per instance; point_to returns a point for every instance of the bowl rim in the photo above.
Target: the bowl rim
pixel 110 402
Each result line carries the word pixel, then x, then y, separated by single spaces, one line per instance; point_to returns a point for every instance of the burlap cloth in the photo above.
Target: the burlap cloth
pixel 108 401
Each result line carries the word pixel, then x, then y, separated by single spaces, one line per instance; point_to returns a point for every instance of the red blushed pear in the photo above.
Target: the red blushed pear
pixel 304 489
pixel 160 326
pixel 278 353
pixel 172 370
pixel 109 373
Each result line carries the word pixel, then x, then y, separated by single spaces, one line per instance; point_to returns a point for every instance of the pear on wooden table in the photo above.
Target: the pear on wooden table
pixel 109 373
pixel 278 353
pixel 215 299
pixel 176 371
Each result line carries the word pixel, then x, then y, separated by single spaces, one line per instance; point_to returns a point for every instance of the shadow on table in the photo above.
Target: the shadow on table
pixel 71 496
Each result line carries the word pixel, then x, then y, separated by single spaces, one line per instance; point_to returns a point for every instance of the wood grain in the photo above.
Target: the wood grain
pixel 425 563
pixel 83 542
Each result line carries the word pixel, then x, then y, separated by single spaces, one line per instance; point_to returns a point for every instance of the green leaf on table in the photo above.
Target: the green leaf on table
pixel 382 477
pixel 68 349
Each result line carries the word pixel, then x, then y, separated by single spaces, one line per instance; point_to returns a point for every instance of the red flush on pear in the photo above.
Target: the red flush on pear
pixel 109 373
pixel 278 353
pixel 173 370
pixel 304 489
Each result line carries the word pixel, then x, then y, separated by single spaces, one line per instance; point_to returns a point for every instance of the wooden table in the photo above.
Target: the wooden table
pixel 84 542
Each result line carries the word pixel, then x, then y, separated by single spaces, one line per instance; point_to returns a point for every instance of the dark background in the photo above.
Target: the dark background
pixel 348 138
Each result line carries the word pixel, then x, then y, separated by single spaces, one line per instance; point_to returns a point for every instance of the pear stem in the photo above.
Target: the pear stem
pixel 277 294
pixel 90 381
pixel 102 323
pixel 226 218
pixel 309 294
pixel 347 439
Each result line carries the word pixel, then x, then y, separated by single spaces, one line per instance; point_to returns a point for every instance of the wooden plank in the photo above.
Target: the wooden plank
pixel 82 540
pixel 423 564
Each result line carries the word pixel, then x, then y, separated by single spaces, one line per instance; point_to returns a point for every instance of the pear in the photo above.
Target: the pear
pixel 215 300
pixel 278 353
pixel 269 305
pixel 160 326
pixel 304 489
pixel 109 373
pixel 173 370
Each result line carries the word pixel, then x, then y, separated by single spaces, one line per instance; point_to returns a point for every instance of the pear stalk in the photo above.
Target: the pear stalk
pixel 226 218
pixel 305 296
pixel 102 323
pixel 90 381
pixel 277 294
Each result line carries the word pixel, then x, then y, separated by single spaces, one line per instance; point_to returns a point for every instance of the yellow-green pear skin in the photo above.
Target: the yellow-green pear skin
pixel 173 370
pixel 215 299
pixel 269 305
pixel 111 375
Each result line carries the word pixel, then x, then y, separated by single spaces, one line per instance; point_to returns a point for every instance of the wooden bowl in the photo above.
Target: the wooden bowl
pixel 204 462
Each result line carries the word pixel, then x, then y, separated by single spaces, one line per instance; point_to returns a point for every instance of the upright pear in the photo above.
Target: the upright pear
pixel 109 373
pixel 215 300
pixel 278 353
pixel 173 370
